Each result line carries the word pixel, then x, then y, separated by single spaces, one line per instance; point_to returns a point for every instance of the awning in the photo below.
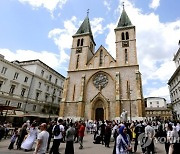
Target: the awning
pixel 40 115
pixel 5 107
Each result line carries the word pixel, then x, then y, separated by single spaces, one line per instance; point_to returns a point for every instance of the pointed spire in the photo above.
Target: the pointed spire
pixel 85 26
pixel 124 20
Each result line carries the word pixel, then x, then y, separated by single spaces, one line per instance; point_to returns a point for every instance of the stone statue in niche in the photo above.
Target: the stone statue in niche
pixel 100 81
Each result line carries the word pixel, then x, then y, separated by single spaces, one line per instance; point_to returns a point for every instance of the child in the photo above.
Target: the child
pixel 13 139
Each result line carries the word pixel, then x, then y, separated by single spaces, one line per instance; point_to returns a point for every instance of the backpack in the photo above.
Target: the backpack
pixel 56 130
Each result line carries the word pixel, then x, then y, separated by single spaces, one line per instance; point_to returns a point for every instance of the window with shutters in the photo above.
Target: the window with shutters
pixel 16 76
pixel 23 92
pixel 3 71
pixel 11 91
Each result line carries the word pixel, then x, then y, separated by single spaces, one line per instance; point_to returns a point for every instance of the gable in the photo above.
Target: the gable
pixel 101 58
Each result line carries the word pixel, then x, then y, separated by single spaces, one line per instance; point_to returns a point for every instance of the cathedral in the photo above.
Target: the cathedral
pixel 98 86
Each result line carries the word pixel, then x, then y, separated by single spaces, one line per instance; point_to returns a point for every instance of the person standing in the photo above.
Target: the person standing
pixel 102 134
pixel 139 129
pixel 81 134
pixel 58 131
pixel 168 129
pixel 29 141
pixel 76 125
pixel 115 133
pixel 13 139
pixel 150 133
pixel 107 134
pixel 123 141
pixel 174 136
pixel 42 141
pixel 22 134
pixel 49 130
pixel 70 139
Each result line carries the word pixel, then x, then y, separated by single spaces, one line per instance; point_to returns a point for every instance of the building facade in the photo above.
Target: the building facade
pixel 155 102
pixel 174 86
pixel 156 108
pixel 31 86
pixel 99 86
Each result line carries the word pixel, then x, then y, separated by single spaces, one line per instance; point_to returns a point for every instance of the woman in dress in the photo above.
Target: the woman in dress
pixel 29 141
pixel 123 141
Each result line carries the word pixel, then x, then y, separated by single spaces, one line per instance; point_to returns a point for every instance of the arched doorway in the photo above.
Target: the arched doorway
pixel 99 108
pixel 99 114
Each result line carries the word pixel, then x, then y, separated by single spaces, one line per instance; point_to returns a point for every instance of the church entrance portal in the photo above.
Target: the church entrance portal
pixel 99 114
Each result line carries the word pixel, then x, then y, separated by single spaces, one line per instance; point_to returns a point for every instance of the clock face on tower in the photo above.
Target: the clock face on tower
pixel 125 44
pixel 100 81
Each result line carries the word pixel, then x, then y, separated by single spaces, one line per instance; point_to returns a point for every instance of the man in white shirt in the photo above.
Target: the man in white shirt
pixel 57 138
pixel 42 141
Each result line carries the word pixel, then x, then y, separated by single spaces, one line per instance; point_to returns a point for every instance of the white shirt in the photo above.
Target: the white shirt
pixel 43 136
pixel 149 131
pixel 60 134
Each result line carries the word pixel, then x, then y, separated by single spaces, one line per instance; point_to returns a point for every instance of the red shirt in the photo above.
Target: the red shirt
pixel 81 131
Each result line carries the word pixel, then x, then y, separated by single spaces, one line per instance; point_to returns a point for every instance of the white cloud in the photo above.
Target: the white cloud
pixel 107 4
pixel 159 92
pixel 110 40
pixel 164 71
pixel 96 26
pixel 50 5
pixel 21 55
pixel 63 38
pixel 156 44
pixel 154 4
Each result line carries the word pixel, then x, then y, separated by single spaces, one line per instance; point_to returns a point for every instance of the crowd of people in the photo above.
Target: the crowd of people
pixel 4 130
pixel 142 133
pixel 125 135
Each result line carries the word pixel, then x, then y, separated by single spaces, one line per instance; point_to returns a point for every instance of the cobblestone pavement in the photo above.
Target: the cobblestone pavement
pixel 89 147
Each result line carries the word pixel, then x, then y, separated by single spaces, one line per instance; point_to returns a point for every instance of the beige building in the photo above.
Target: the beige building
pixel 99 86
pixel 31 88
pixel 157 108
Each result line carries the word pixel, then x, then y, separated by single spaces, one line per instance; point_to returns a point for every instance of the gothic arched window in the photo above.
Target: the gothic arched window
pixel 78 42
pixel 122 36
pixel 101 58
pixel 82 41
pixel 127 36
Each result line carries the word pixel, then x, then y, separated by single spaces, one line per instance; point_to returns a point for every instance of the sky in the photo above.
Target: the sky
pixel 43 29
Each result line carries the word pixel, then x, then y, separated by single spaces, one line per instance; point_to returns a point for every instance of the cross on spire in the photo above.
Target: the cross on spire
pixel 123 4
pixel 87 12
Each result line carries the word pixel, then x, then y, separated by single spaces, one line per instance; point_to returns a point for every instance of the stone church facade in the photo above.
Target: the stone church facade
pixel 99 86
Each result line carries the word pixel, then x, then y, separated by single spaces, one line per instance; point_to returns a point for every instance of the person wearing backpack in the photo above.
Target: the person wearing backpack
pixel 58 131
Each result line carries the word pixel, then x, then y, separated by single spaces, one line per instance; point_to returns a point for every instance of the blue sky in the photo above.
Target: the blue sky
pixel 43 29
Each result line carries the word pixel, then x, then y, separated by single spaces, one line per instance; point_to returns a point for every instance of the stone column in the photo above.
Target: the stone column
pixel 140 100
pixel 118 95
pixel 81 105
pixel 107 111
pixel 63 102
